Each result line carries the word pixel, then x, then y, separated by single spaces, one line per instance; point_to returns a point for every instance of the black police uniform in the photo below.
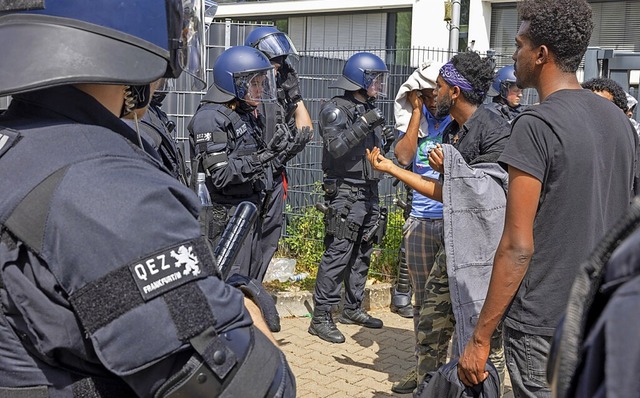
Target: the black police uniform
pixel 107 288
pixel 351 192
pixel 156 127
pixel 504 110
pixel 226 146
pixel 273 216
pixel 279 112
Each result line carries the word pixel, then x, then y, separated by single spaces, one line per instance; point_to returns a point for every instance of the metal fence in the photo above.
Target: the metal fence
pixel 317 69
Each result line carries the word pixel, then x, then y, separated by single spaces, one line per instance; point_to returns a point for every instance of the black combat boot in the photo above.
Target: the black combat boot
pixel 360 317
pixel 322 326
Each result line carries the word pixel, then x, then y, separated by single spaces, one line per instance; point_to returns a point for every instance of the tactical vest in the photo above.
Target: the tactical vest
pixel 353 164
pixel 200 159
pixel 158 127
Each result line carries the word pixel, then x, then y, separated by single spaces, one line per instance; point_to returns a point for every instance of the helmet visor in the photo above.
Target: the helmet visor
pixel 256 86
pixel 376 83
pixel 276 45
pixel 191 55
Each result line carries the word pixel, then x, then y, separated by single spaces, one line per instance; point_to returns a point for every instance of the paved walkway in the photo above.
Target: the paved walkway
pixel 365 365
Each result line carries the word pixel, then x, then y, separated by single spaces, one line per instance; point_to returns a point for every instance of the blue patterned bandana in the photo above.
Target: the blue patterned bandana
pixel 453 78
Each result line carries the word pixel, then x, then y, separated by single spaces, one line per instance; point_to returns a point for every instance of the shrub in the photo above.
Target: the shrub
pixel 304 242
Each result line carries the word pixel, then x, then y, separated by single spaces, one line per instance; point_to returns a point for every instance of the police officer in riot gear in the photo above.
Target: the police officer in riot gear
pixel 107 288
pixel 229 147
pixel 290 110
pixel 506 94
pixel 154 125
pixel 354 220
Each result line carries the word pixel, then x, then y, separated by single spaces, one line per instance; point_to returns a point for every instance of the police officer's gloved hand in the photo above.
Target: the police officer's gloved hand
pixel 300 141
pixel 373 118
pixel 290 83
pixel 279 161
pixel 280 139
pixel 257 293
pixel 389 136
pixel 264 156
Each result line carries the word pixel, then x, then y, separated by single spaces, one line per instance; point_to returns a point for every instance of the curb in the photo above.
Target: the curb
pixel 300 304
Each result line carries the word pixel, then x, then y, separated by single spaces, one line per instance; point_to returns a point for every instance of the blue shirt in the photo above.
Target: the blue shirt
pixel 422 206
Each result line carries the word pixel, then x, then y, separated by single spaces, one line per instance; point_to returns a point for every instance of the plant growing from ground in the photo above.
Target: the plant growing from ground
pixel 304 242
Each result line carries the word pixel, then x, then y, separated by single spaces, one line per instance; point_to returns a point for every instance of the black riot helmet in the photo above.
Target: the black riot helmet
pixel 58 42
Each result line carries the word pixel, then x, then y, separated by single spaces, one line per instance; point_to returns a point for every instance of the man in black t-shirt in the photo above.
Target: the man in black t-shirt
pixel 571 166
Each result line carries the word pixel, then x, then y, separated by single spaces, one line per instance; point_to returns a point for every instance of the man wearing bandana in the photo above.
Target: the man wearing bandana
pixel 479 135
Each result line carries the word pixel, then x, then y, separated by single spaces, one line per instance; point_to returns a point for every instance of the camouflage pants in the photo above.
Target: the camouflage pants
pixel 436 324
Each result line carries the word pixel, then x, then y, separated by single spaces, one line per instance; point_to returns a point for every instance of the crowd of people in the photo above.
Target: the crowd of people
pixel 104 241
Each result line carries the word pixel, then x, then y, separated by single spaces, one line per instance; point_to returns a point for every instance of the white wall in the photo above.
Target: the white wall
pixel 428 26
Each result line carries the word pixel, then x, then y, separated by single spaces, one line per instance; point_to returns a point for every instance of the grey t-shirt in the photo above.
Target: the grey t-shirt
pixel 582 149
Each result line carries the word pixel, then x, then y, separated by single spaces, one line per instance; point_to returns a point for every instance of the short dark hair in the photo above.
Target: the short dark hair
pixel 613 88
pixel 564 26
pixel 478 71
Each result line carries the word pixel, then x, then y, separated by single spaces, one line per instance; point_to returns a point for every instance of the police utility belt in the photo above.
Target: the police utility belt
pixel 336 221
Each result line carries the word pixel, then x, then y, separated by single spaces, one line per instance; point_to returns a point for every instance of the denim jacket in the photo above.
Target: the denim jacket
pixel 474 200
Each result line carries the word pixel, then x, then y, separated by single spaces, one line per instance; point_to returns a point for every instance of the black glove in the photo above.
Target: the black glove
pixel 290 83
pixel 264 156
pixel 279 161
pixel 257 293
pixel 373 118
pixel 280 139
pixel 389 136
pixel 300 141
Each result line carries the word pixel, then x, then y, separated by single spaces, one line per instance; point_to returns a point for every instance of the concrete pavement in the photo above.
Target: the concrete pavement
pixel 365 365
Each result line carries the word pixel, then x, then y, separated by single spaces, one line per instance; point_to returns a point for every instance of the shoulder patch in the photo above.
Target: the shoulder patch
pixel 166 270
pixel 7 139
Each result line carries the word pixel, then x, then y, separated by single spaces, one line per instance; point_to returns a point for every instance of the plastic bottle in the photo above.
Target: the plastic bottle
pixel 299 277
pixel 203 192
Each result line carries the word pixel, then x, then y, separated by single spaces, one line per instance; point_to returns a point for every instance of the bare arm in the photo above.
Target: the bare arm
pixel 429 187
pixel 510 265
pixel 406 147
pixel 302 117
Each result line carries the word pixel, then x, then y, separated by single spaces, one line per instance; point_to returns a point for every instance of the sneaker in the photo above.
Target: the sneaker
pixel 322 325
pixel 407 384
pixel 360 317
